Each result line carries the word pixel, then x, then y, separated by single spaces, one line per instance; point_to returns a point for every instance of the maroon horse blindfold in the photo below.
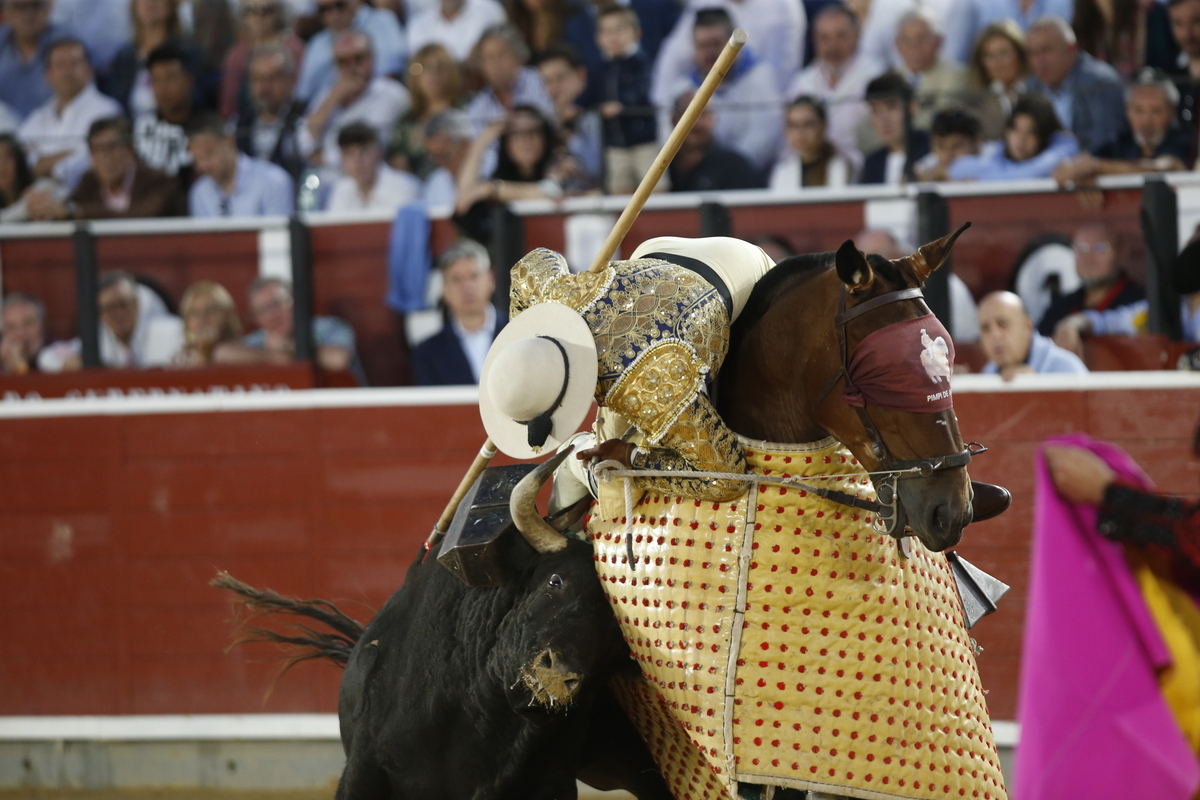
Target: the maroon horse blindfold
pixel 904 366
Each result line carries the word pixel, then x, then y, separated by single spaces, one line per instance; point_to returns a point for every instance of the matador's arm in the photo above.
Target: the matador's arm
pixel 1141 518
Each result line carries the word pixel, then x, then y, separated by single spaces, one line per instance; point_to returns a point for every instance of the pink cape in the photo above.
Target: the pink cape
pixel 1094 723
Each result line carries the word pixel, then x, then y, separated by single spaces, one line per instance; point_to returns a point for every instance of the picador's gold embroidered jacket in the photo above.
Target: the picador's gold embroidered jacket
pixel 661 331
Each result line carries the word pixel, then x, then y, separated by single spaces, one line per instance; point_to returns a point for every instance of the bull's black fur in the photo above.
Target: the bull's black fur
pixel 432 703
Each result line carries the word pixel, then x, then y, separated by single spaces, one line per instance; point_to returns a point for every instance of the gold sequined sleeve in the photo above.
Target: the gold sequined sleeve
pixel 698 441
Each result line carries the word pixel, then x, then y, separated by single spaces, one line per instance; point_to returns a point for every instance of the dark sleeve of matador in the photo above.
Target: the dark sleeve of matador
pixel 1141 518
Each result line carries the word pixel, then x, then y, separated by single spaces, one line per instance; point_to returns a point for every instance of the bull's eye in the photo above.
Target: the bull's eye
pixel 556 582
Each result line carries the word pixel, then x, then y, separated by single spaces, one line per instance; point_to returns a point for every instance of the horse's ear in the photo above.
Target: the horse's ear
pixel 852 267
pixel 929 257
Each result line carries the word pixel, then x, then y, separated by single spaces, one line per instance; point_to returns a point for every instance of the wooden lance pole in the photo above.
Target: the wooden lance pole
pixel 615 237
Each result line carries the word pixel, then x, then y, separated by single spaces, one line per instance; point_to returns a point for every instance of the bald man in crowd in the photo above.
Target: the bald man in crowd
pixel 1013 346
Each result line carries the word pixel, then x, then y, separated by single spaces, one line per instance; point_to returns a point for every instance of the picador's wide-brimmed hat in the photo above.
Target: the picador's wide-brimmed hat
pixel 538 380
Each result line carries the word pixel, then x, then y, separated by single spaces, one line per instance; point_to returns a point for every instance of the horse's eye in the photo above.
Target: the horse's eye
pixel 555 582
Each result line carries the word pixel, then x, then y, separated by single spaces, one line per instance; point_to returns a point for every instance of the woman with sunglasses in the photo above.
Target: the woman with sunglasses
pixel 263 22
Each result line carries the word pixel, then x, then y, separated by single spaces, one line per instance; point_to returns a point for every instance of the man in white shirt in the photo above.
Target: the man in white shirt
pixel 338 16
pixel 133 333
pixel 457 25
pixel 230 183
pixel 367 183
pixel 55 135
pixel 839 77
pixel 356 96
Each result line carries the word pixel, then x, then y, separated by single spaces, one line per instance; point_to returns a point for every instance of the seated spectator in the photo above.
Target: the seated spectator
pixel 268 131
pixel 209 319
pixel 999 68
pixel 507 81
pixel 134 332
pixel 455 354
pixel 937 82
pixel 55 135
pixel 456 25
pixel 1153 142
pixel 387 44
pixel 1034 145
pixel 230 183
pixel 118 186
pixel 265 23
pixel 104 27
pixel 747 103
pixel 704 165
pixel 811 159
pixel 22 333
pixel 955 133
pixel 357 96
pixel 15 179
pixel 448 138
pixel 838 76
pixel 273 343
pixel 366 181
pixel 566 78
pixel 891 101
pixel 1087 94
pixel 630 127
pixel 546 23
pixel 159 135
pixel 435 85
pixel 155 23
pixel 24 39
pixel 532 163
pixel 967 19
pixel 1105 285
pixel 1124 35
pixel 776 29
pixel 1013 346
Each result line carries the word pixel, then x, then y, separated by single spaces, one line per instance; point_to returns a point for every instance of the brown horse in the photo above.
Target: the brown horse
pixel 788 366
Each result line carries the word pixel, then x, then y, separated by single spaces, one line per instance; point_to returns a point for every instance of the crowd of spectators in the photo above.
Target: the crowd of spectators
pixel 826 93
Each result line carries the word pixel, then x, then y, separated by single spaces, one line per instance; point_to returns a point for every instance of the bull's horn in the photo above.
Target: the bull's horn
pixel 523 507
pixel 930 256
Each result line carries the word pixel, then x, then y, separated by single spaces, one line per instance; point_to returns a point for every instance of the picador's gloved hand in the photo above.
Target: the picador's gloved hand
pixel 573 479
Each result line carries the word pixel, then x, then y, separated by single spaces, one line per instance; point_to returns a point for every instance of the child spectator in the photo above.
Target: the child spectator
pixel 811 160
pixel 117 186
pixel 630 126
pixel 264 23
pixel 955 133
pixel 998 69
pixel 1034 145
pixel 209 319
pixel 159 134
pixel 55 135
pixel 891 101
pixel 273 343
pixel 566 78
pixel 435 85
pixel 230 183
pixel 366 181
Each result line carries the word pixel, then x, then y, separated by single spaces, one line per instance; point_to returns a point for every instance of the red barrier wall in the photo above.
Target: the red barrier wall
pixel 110 528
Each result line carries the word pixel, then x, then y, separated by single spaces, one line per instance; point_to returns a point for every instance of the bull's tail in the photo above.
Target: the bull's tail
pixel 306 643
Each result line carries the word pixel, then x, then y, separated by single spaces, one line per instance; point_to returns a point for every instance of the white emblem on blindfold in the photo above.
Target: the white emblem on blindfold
pixel 936 357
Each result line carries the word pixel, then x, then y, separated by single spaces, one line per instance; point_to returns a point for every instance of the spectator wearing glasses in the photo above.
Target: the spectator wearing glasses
pixel 367 182
pixel 358 95
pixel 811 158
pixel 387 42
pixel 936 81
pixel 264 23
pixel 24 40
pixel 159 135
pixel 55 135
pixel 230 183
pixel 1105 286
pixel 456 25
pixel 133 332
pixel 210 319
pixel 156 23
pixel 118 186
pixel 999 69
pixel 269 130
pixel 22 333
pixel 1153 142
pixel 273 342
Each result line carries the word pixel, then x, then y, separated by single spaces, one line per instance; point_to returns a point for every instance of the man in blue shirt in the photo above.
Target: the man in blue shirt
pixel 23 43
pixel 230 183
pixel 1007 336
pixel 317 71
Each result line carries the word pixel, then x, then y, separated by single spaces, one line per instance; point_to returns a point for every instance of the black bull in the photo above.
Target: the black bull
pixel 458 692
